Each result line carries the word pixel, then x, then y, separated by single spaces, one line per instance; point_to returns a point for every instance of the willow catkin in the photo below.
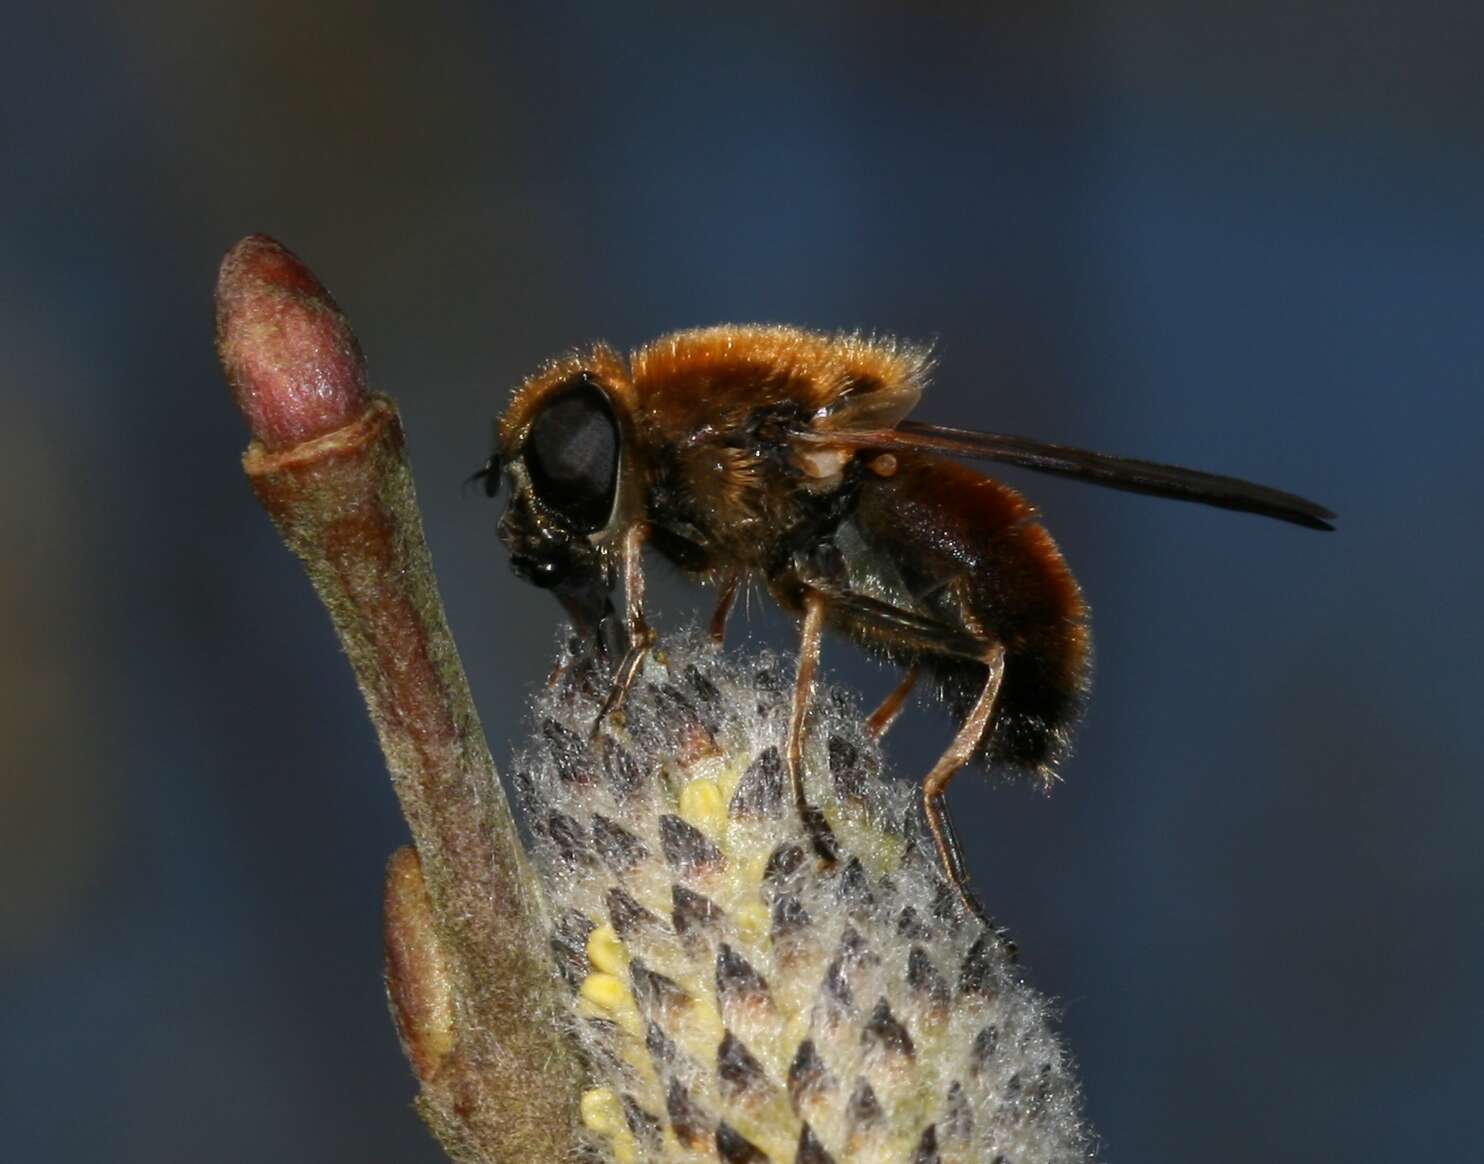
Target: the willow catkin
pixel 734 1000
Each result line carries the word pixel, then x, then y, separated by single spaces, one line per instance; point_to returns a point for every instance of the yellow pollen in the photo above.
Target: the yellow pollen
pixel 600 1111
pixel 753 920
pixel 605 991
pixel 701 805
pixel 606 952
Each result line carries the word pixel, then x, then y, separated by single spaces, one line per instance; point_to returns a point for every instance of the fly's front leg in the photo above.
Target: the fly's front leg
pixel 815 824
pixel 641 638
pixel 724 603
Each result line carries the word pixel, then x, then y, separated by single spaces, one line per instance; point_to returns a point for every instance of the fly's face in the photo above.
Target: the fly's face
pixel 563 467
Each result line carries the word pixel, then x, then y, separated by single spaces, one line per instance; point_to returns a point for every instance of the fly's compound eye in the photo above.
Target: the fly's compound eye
pixel 571 455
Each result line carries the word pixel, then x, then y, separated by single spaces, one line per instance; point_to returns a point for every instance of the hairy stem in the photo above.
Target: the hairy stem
pixel 468 972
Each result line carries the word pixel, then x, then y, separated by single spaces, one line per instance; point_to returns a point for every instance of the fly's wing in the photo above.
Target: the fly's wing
pixel 868 404
pixel 1099 468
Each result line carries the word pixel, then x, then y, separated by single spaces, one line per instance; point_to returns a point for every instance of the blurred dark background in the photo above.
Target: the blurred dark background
pixel 1244 237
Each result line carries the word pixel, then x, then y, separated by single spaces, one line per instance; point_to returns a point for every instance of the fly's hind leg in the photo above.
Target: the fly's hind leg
pixel 815 824
pixel 930 636
pixel 640 636
pixel 965 743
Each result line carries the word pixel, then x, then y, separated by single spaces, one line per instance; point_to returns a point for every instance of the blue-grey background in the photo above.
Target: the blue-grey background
pixel 1245 237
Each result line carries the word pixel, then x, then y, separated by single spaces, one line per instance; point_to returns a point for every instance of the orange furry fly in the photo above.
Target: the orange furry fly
pixel 786 454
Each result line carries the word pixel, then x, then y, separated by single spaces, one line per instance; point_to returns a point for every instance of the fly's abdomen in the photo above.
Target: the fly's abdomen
pixel 971 553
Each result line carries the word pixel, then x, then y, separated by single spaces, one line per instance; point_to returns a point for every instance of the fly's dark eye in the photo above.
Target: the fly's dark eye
pixel 572 456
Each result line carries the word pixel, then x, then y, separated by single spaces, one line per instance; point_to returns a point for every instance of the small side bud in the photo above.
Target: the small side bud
pixel 291 359
pixel 417 977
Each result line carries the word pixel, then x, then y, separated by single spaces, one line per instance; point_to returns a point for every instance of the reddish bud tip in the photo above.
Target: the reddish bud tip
pixel 293 363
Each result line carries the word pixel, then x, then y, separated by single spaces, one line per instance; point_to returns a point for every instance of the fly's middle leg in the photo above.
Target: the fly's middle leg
pixel 815 824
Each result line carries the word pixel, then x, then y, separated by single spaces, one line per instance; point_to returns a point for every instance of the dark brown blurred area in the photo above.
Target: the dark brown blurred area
pixel 1246 238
